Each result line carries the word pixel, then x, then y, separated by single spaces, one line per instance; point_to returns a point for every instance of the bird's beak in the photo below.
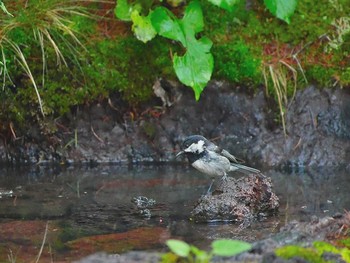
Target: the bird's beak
pixel 180 153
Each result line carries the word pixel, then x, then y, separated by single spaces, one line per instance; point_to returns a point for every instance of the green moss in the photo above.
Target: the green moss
pixel 127 66
pixel 308 254
pixel 313 254
pixel 345 77
pixel 234 62
pixel 318 74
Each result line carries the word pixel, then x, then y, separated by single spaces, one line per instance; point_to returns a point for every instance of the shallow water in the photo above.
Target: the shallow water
pixel 92 205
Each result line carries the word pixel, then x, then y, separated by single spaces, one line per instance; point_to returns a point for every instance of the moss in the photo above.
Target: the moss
pixel 127 66
pixel 314 254
pixel 345 77
pixel 318 74
pixel 235 62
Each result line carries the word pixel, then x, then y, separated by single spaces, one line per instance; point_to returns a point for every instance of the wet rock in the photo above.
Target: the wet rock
pixel 317 119
pixel 129 257
pixel 237 200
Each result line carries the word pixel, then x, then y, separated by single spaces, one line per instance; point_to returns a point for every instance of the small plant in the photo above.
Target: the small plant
pixel 313 254
pixel 281 75
pixel 194 68
pixel 183 252
pixel 35 31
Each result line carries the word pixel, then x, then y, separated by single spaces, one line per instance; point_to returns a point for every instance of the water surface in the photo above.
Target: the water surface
pixel 90 209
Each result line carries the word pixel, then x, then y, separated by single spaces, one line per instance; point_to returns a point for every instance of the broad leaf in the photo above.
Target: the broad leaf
pixel 283 9
pixel 195 67
pixel 228 247
pixel 167 25
pixel 179 247
pixel 228 5
pixel 123 10
pixel 142 27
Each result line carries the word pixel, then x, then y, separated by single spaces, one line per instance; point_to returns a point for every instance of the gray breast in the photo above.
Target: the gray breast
pixel 212 164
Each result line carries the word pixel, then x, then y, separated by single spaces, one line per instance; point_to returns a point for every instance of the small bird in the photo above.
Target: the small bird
pixel 210 159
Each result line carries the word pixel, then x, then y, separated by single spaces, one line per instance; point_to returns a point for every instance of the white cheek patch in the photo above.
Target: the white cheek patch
pixel 197 147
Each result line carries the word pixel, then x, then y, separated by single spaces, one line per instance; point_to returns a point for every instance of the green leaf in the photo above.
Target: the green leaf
pixel 201 255
pixel 166 24
pixel 195 67
pixel 228 247
pixel 282 9
pixel 123 10
pixel 179 247
pixel 228 5
pixel 142 27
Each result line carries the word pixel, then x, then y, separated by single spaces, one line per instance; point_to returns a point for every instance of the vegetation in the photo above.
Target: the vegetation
pixel 183 252
pixel 195 67
pixel 57 54
pixel 314 254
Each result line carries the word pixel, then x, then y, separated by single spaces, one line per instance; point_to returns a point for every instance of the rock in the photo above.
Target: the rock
pixel 237 200
pixel 317 119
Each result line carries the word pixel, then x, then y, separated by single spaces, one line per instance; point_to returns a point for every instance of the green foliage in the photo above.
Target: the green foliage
pixel 179 247
pixel 228 248
pixel 183 252
pixel 123 10
pixel 131 67
pixel 281 8
pixel 317 73
pixel 235 62
pixel 195 67
pixel 229 5
pixel 68 71
pixel 142 27
pixel 53 57
pixel 313 254
pixel 31 32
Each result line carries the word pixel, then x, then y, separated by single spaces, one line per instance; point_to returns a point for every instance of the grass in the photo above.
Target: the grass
pixel 281 78
pixel 43 24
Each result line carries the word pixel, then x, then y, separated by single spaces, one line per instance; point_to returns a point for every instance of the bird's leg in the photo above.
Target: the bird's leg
pixel 211 184
pixel 224 178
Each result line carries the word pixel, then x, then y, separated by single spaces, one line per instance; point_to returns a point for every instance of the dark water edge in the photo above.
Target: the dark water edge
pixel 91 201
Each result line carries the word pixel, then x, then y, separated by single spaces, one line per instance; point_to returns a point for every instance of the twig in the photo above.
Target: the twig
pixel 97 137
pixel 13 131
pixel 297 145
pixel 43 243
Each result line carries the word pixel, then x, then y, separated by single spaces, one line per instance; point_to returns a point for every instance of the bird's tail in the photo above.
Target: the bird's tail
pixel 243 168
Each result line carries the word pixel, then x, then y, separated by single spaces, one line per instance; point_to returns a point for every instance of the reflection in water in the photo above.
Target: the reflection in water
pixel 91 201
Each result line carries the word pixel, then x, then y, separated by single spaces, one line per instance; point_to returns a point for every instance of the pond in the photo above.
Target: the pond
pixel 63 213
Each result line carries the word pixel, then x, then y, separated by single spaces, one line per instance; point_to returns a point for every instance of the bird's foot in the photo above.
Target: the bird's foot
pixel 224 179
pixel 210 186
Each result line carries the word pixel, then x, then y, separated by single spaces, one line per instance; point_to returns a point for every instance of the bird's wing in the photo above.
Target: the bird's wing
pixel 243 168
pixel 229 156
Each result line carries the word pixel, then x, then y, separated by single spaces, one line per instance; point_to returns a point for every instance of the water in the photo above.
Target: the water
pixel 90 209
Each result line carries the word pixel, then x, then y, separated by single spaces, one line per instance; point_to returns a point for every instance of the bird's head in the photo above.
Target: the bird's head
pixel 194 144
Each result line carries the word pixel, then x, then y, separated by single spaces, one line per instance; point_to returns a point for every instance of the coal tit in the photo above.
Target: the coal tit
pixel 210 159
